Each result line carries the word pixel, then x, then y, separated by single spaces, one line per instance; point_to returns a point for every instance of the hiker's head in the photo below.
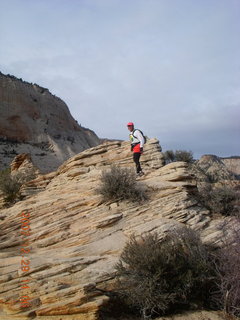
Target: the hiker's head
pixel 130 126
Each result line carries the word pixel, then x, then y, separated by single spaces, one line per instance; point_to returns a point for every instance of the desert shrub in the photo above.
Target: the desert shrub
pixel 155 276
pixel 169 156
pixel 120 184
pixel 182 155
pixel 220 199
pixel 178 155
pixel 11 184
pixel 214 177
pixel 228 293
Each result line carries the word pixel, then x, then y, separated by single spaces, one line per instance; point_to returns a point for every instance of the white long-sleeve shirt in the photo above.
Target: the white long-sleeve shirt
pixel 136 137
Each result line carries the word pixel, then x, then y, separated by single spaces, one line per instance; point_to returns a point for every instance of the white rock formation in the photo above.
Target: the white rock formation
pixel 75 239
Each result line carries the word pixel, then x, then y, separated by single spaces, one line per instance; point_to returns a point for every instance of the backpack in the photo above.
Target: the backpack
pixel 144 137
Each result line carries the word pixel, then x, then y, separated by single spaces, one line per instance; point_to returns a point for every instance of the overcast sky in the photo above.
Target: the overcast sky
pixel 170 66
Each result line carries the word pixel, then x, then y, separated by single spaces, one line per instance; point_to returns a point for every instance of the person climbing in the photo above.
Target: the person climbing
pixel 137 142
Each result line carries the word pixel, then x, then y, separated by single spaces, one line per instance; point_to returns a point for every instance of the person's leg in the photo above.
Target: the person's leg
pixel 136 157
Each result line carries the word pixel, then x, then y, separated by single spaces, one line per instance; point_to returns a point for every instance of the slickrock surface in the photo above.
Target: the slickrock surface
pixel 76 239
pixel 34 121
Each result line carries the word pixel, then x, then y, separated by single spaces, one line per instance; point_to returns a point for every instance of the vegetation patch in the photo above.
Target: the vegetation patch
pixel 227 295
pixel 120 184
pixel 221 199
pixel 157 276
pixel 11 184
pixel 178 155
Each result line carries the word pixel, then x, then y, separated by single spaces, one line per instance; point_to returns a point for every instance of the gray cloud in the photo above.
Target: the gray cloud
pixel 171 67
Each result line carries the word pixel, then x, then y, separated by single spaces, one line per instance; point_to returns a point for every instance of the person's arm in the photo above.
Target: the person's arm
pixel 139 136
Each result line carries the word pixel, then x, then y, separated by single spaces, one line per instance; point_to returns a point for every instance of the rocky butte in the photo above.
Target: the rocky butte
pixel 75 238
pixel 34 121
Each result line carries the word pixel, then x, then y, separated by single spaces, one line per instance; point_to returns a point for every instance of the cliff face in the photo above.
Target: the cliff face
pixel 210 168
pixel 34 121
pixel 233 165
pixel 75 239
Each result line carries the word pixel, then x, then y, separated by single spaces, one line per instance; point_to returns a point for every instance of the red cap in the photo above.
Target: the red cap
pixel 130 124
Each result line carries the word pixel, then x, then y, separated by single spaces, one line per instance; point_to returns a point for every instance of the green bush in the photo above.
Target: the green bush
pixel 11 184
pixel 156 276
pixel 178 155
pixel 120 184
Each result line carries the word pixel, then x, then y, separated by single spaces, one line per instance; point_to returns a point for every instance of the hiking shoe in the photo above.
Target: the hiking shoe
pixel 140 174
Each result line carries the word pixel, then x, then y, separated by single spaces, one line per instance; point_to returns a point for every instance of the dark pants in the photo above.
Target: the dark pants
pixel 136 157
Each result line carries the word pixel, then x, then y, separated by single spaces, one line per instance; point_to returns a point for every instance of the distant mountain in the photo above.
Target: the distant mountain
pixel 225 168
pixel 34 121
pixel 233 164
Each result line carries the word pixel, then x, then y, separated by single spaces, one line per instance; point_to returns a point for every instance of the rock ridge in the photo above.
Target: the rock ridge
pixel 76 238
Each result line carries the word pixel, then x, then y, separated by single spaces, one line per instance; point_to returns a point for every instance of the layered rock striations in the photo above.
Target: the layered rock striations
pixel 34 121
pixel 233 165
pixel 215 167
pixel 75 238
